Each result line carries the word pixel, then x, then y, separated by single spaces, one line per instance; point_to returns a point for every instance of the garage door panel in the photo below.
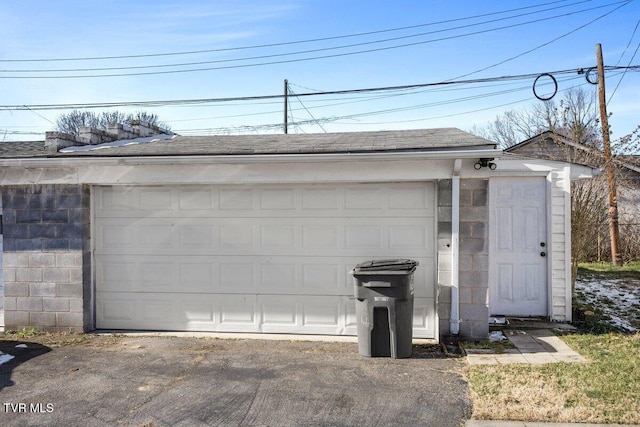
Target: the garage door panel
pixel 305 236
pixel 233 313
pixel 273 258
pixel 248 274
pixel 364 200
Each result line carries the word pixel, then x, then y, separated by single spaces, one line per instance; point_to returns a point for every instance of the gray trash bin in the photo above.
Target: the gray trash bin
pixel 384 307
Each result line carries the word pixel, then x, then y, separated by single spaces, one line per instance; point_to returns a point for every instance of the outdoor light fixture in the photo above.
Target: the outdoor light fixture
pixel 483 163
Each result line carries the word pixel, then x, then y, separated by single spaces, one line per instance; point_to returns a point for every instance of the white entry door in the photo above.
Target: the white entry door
pixel 518 247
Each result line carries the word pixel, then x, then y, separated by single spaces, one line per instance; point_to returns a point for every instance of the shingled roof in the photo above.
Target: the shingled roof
pixel 442 139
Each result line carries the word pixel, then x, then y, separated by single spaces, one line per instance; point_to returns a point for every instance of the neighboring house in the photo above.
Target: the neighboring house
pixel 123 230
pixel 552 146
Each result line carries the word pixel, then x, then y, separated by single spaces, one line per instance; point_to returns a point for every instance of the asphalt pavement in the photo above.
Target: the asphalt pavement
pixel 104 380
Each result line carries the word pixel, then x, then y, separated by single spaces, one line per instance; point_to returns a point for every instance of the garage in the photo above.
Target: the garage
pixel 255 258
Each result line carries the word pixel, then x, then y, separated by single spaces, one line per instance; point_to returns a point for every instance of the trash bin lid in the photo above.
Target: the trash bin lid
pixel 386 265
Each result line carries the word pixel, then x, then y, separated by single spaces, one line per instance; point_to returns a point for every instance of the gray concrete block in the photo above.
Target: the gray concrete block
pixel 474 214
pixel 444 213
pixel 466 197
pixel 70 320
pixel 444 294
pixel 476 330
pixel 56 244
pixel 8 216
pixel 10 303
pixel 42 289
pixel 18 201
pixel 16 289
pixel 465 262
pixel 16 320
pixel 444 192
pixel 474 183
pixel 473 246
pixel 479 312
pixel 68 201
pixel 444 229
pixel 78 216
pixel 9 274
pixel 28 274
pixel 55 275
pixel 55 216
pixel 76 244
pixel 15 259
pixel 25 244
pixel 16 231
pixel 480 198
pixel 444 327
pixel 76 275
pixel 42 320
pixel 29 303
pixel 466 229
pixel 480 262
pixel 480 296
pixel 44 231
pixel 42 260
pixel 465 296
pixel 71 290
pixel 56 304
pixel 76 305
pixel 25 216
pixel 71 259
pixel 474 279
pixel 479 230
pixel 69 231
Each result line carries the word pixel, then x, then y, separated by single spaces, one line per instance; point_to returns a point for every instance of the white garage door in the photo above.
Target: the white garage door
pixel 255 258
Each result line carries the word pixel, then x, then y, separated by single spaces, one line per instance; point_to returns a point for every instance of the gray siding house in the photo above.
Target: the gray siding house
pixel 139 229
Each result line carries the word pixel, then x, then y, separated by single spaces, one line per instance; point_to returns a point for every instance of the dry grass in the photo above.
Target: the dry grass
pixel 605 390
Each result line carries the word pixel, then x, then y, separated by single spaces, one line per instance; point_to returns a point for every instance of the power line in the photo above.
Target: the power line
pixel 344 36
pixel 251 58
pixel 286 61
pixel 279 96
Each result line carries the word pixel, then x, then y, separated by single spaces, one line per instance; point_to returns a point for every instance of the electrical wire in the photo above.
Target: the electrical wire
pixel 336 55
pixel 279 96
pixel 344 36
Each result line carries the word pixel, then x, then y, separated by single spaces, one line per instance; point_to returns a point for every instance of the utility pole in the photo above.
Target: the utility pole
pixel 286 103
pixel 614 231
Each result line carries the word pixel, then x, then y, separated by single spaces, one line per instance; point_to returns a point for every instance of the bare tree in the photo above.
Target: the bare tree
pixel 577 137
pixel 73 121
pixel 574 117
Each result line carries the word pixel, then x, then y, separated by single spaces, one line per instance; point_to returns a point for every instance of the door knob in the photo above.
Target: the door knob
pixel 543 244
pixel 543 254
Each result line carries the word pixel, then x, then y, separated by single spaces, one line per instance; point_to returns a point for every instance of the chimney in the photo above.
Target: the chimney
pixel 55 141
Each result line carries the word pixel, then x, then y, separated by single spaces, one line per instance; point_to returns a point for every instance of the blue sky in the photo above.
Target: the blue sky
pixel 409 42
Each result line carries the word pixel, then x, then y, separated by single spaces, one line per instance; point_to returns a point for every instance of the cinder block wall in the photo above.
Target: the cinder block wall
pixel 473 258
pixel 46 257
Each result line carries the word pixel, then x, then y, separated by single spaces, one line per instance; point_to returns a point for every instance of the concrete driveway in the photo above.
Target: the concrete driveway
pixel 102 380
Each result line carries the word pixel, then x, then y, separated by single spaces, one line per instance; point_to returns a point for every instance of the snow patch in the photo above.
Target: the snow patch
pixel 21 346
pixel 4 358
pixel 617 298
pixel 120 143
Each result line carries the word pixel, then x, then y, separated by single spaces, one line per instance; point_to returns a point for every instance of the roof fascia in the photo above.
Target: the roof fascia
pixel 249 158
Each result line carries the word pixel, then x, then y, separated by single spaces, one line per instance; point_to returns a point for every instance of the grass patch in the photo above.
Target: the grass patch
pixel 605 390
pixel 26 332
pixel 606 270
